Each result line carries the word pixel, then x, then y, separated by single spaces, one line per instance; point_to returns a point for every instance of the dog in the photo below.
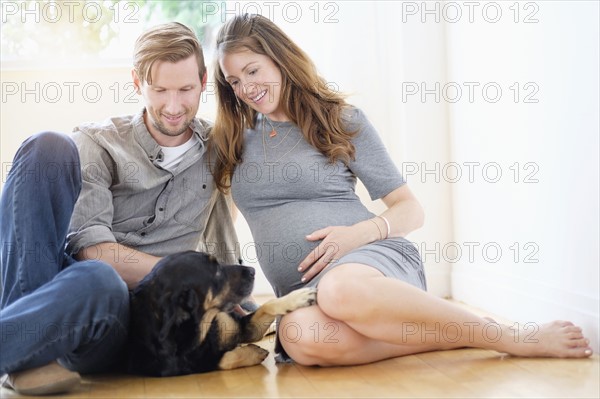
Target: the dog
pixel 182 318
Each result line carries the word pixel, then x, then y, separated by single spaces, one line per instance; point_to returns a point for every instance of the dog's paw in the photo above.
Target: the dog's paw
pixel 243 356
pixel 258 352
pixel 297 299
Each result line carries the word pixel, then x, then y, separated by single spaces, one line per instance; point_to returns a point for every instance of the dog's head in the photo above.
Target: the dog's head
pixel 200 272
pixel 171 301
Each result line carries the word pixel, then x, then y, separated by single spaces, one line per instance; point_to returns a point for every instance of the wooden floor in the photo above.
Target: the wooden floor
pixel 463 373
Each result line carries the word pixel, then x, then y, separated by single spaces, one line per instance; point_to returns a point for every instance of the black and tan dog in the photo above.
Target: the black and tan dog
pixel 182 318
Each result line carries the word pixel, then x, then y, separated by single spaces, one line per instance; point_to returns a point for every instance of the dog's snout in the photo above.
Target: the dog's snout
pixel 248 273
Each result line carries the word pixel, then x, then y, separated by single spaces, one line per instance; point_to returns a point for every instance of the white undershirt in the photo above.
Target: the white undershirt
pixel 172 156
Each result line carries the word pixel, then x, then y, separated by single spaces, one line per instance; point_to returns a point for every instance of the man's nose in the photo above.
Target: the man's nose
pixel 173 104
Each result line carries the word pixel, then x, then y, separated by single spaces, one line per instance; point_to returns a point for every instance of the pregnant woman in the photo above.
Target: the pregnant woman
pixel 290 149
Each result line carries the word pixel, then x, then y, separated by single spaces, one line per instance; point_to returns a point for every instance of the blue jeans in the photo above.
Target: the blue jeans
pixel 51 306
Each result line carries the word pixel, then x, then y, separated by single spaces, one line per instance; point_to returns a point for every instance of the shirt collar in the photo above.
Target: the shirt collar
pixel 150 145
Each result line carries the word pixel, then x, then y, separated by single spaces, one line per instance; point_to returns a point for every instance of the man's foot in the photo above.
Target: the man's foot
pixel 45 380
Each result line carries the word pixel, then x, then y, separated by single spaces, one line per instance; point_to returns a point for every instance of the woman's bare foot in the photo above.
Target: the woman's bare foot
pixel 557 339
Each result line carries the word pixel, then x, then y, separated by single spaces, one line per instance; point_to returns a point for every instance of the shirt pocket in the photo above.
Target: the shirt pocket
pixel 133 215
pixel 192 202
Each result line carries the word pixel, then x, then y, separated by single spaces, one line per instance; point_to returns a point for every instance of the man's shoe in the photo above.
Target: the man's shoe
pixel 45 380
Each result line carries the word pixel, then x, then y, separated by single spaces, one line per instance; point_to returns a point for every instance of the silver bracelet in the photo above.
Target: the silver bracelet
pixel 387 225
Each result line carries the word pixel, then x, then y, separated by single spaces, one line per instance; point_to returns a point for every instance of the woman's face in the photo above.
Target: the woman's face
pixel 256 80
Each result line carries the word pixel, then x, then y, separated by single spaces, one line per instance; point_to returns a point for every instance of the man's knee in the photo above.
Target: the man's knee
pixel 47 156
pixel 99 280
pixel 50 140
pixel 47 143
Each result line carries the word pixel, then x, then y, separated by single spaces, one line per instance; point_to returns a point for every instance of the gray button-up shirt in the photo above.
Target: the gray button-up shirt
pixel 128 198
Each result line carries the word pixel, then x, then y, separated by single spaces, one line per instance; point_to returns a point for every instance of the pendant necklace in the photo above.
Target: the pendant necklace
pixel 264 141
pixel 274 133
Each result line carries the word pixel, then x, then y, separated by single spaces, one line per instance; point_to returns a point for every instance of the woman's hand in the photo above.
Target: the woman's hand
pixel 404 215
pixel 336 242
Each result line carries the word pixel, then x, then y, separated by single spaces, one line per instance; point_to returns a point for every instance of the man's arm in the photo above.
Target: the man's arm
pixel 132 265
pixel 91 235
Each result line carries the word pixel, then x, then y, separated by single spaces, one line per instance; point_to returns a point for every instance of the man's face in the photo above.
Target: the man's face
pixel 172 100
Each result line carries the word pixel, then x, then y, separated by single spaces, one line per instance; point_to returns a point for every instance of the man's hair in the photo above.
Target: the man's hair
pixel 170 42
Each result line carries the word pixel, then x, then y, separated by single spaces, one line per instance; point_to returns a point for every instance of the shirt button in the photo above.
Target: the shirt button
pixel 161 209
pixel 143 234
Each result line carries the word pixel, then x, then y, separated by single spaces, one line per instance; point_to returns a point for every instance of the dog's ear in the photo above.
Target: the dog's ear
pixel 169 312
pixel 176 309
pixel 188 300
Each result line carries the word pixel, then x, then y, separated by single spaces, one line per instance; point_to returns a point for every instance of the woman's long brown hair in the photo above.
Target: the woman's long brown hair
pixel 305 97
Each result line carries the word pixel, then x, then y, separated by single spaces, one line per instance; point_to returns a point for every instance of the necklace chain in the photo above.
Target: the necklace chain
pixel 274 133
pixel 264 142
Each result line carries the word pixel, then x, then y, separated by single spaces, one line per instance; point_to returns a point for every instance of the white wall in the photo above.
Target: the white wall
pixel 550 208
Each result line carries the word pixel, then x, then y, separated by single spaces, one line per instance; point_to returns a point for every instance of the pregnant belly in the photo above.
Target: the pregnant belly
pixel 279 235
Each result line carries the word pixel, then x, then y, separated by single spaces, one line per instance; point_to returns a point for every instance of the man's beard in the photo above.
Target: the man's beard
pixel 164 130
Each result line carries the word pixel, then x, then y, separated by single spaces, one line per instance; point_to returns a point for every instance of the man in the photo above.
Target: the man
pixel 84 218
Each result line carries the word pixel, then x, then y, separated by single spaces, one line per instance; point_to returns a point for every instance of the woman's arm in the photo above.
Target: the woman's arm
pixel 404 215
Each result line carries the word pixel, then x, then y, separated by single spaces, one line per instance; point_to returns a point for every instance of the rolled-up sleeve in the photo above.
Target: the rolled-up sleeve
pixel 93 214
pixel 373 164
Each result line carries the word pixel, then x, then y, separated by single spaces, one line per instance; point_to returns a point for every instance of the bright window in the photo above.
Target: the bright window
pixel 84 31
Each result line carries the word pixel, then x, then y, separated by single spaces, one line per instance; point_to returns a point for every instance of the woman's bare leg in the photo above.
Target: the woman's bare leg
pixel 377 317
pixel 310 337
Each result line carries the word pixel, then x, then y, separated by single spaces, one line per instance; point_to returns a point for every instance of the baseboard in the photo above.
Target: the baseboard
pixel 524 301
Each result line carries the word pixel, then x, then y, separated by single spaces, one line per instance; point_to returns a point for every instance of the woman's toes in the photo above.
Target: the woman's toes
pixel 586 352
pixel 573 329
pixel 583 343
pixel 574 335
pixel 563 323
